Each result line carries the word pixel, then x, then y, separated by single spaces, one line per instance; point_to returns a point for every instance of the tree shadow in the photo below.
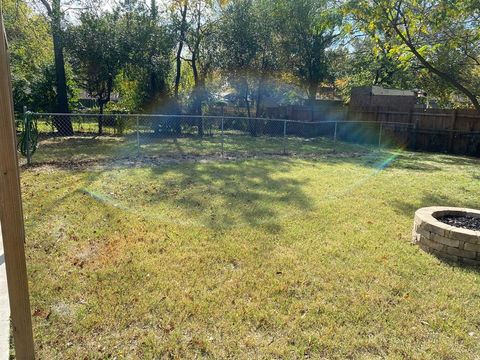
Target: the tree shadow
pixel 432 199
pixel 225 194
pixel 461 266
pixel 444 159
pixel 411 162
pixel 81 148
pixel 424 161
pixel 251 188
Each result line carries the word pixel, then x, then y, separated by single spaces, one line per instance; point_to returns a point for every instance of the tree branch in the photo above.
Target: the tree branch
pixel 443 75
pixel 47 6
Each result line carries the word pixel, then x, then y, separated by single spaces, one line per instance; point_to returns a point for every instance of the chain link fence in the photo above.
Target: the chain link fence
pixel 97 136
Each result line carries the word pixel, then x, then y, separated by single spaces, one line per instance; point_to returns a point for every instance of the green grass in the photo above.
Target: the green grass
pixel 262 257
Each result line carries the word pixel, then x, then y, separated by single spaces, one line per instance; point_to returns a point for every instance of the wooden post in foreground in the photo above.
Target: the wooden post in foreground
pixel 11 214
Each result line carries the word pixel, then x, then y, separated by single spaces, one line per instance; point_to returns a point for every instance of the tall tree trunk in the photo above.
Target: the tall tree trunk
pixel 179 69
pixel 258 109
pixel 312 90
pixel 102 101
pixel 63 124
pixel 199 97
pixel 251 125
pixel 100 118
pixel 183 12
pixel 156 85
pixel 198 92
pixel 247 102
pixel 259 96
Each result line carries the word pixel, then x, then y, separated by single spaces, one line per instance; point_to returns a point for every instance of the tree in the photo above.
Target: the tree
pixel 159 45
pixel 97 56
pixel 30 56
pixel 180 24
pixel 199 39
pixel 147 44
pixel 307 29
pixel 442 38
pixel 249 51
pixel 238 45
pixel 364 64
pixel 266 63
pixel 54 12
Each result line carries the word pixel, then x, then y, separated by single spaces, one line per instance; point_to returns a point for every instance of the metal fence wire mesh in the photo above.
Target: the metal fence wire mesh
pixel 86 136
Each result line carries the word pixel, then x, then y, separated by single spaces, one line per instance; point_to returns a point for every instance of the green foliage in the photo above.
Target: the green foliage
pixel 147 45
pixel 307 29
pixel 360 66
pixel 131 95
pixel 238 41
pixel 31 58
pixel 256 46
pixel 441 39
pixel 96 54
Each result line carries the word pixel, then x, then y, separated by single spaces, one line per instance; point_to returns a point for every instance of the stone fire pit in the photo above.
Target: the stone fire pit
pixel 446 241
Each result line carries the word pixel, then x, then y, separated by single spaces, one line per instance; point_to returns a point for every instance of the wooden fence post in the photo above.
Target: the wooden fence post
pixel 451 135
pixel 415 134
pixel 409 129
pixel 11 214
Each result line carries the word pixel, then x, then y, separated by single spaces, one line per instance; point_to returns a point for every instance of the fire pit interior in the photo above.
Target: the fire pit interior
pixel 449 233
pixel 465 221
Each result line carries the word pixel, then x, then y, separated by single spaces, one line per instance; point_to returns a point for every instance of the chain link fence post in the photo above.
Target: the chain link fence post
pixel 223 139
pixel 285 137
pixel 27 135
pixel 138 135
pixel 52 123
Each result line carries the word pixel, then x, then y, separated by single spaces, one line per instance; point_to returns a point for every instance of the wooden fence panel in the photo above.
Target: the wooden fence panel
pixel 442 130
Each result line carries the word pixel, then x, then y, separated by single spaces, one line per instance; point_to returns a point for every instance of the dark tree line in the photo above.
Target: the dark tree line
pixel 183 55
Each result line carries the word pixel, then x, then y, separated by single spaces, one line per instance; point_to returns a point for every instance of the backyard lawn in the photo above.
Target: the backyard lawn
pixel 268 256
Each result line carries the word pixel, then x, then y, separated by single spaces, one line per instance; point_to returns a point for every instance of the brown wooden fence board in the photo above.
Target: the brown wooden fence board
pixel 445 130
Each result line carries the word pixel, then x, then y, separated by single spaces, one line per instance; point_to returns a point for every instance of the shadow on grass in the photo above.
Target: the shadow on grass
pixel 253 188
pixel 224 194
pixel 258 193
pixel 443 159
pixel 458 266
pixel 111 147
pixel 432 199
pixel 416 163
pixel 82 147
pixel 429 162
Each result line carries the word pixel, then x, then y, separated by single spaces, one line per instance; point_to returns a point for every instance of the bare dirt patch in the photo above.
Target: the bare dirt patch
pixel 142 161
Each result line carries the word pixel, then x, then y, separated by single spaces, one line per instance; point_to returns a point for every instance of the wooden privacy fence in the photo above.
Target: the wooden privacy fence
pixel 452 131
pixel 439 130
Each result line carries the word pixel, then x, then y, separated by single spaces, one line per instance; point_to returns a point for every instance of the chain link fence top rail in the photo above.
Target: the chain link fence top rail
pixel 100 136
